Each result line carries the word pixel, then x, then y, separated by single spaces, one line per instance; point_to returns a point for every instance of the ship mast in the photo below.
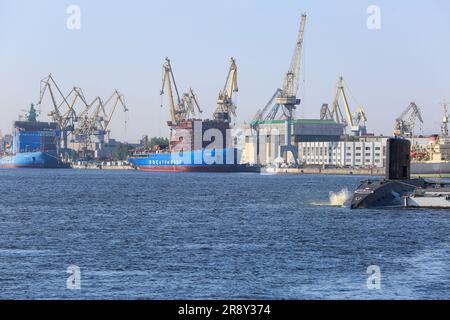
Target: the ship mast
pixel 444 127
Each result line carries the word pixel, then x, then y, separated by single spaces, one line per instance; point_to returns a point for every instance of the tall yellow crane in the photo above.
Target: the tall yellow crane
pixel 356 120
pixel 225 103
pixel 167 76
pixel 183 108
pixel 116 98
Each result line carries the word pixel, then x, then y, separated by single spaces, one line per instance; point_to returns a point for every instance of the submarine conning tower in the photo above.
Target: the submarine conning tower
pixel 398 159
pixel 390 191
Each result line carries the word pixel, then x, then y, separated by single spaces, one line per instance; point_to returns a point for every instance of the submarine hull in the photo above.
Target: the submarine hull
pixel 384 193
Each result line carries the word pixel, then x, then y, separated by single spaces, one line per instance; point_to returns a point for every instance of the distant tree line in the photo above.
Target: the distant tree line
pixel 123 150
pixel 157 141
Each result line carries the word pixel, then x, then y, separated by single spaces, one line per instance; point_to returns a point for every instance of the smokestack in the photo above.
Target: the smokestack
pixel 398 159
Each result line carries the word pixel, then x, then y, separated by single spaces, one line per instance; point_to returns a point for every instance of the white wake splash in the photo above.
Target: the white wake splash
pixel 338 199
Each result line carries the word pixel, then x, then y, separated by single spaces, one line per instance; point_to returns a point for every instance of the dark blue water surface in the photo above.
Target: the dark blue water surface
pixel 141 235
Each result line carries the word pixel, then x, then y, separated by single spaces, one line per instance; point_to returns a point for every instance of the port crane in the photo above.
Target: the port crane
pixel 285 99
pixel 190 102
pixel 183 109
pixel 325 112
pixel 356 120
pixel 288 97
pixel 63 106
pixel 95 119
pixel 269 112
pixel 225 103
pixel 406 122
pixel 107 112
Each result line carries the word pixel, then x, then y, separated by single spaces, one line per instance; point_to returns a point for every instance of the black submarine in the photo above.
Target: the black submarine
pixel 396 186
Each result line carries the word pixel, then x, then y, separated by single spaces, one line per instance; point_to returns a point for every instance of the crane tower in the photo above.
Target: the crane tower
pixel 406 122
pixel 225 103
pixel 288 96
pixel 356 120
pixel 183 108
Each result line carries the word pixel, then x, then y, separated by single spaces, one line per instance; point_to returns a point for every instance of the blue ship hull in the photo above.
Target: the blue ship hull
pixel 32 160
pixel 195 161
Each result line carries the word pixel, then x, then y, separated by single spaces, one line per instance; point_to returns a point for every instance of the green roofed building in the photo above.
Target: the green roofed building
pixel 270 135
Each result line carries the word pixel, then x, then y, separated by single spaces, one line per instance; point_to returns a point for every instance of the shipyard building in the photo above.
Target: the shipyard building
pixel 319 142
pixel 263 139
pixel 364 152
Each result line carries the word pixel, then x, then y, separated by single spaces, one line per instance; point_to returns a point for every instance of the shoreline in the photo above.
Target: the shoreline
pixel 332 171
pixel 375 172
pixel 101 167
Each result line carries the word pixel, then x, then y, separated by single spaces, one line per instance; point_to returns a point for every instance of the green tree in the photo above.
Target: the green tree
pixel 122 151
pixel 157 141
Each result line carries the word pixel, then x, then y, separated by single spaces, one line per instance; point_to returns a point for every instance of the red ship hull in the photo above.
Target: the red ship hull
pixel 209 168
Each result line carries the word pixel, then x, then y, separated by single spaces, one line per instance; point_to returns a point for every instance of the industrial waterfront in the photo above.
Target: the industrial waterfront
pixel 275 138
pixel 234 184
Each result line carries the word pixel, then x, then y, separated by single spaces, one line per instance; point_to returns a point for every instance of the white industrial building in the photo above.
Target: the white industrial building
pixel 263 139
pixel 367 152
pixel 319 142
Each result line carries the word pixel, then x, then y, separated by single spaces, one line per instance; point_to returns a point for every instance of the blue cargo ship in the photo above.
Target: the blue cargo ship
pixel 34 145
pixel 32 160
pixel 224 160
pixel 184 155
pixel 194 144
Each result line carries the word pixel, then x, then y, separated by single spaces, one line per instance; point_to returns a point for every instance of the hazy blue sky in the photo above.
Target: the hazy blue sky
pixel 122 44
